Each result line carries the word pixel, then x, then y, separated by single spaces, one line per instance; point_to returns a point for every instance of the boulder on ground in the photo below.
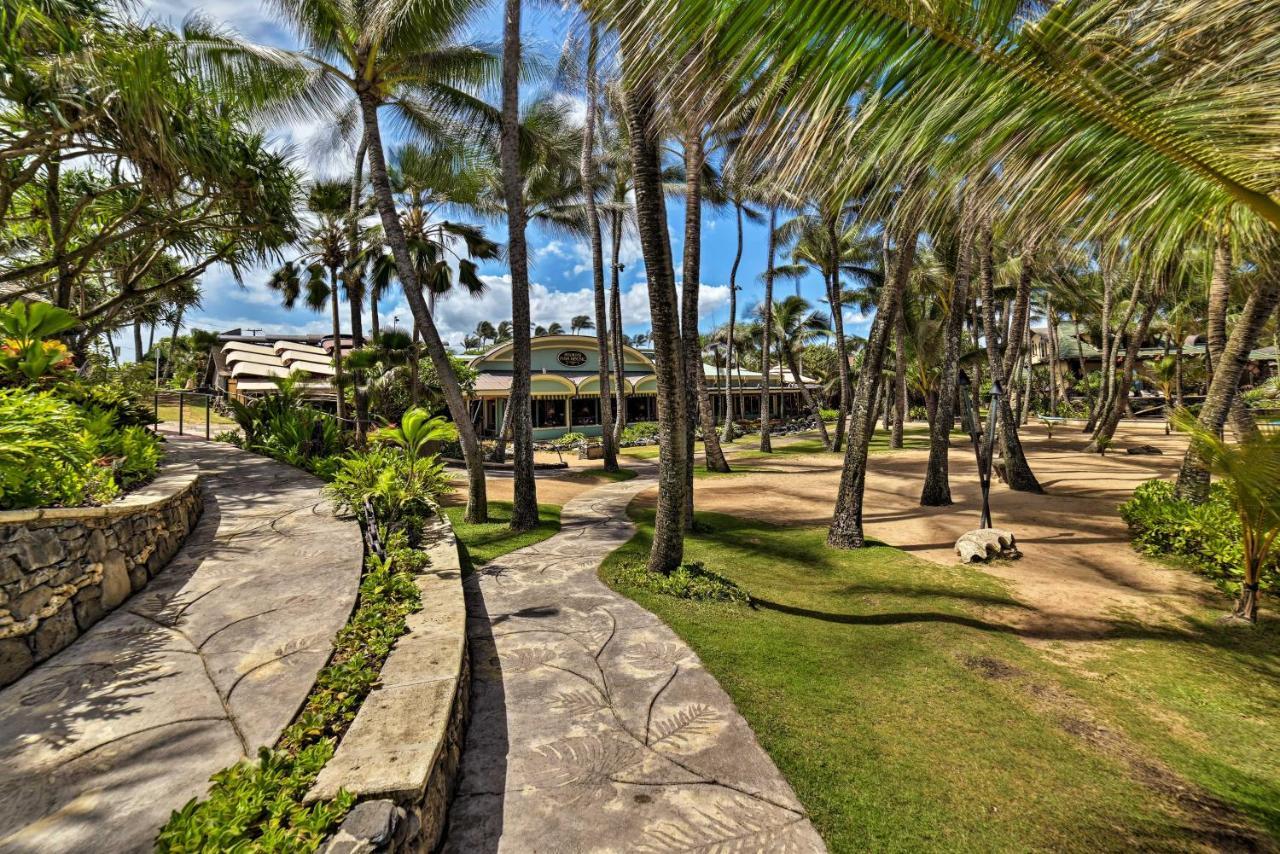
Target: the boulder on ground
pixel 986 543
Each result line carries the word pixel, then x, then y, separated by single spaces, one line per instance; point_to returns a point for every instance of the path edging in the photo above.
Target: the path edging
pixel 62 569
pixel 400 757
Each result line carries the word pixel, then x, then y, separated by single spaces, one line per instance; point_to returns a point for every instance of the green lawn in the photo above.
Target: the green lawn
pixel 600 475
pixel 493 539
pixel 193 416
pixel 907 716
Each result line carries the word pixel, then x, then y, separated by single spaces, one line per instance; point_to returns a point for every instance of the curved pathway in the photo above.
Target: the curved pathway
pixel 593 726
pixel 205 665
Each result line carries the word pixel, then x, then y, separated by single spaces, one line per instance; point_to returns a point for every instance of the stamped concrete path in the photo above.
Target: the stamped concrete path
pixel 202 667
pixel 593 726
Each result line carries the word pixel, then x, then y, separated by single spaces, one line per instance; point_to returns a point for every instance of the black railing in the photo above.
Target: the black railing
pixel 198 404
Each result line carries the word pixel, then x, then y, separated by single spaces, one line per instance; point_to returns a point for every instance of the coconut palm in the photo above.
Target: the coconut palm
pixel 325 254
pixel 795 326
pixel 358 60
pixel 1062 156
pixel 1250 470
pixel 579 323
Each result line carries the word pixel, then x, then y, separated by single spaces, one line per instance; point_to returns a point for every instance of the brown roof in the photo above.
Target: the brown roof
pixel 493 382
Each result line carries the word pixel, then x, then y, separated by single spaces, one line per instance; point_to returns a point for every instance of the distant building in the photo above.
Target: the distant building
pixel 565 387
pixel 248 365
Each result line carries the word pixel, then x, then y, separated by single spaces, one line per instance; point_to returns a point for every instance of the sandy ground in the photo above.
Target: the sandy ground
pixel 1078 578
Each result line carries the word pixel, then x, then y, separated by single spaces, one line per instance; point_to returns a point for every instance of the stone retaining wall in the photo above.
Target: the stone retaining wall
pixel 62 569
pixel 400 757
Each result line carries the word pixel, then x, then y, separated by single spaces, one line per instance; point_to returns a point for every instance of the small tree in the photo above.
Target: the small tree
pixel 1250 469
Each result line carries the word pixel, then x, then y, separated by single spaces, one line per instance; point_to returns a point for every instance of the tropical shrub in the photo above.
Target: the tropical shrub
pixel 48 454
pixel 1208 535
pixel 917 413
pixel 283 427
pixel 833 414
pixel 27 352
pixel 639 433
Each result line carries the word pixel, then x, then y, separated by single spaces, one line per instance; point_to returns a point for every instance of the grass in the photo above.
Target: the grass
pixel 193 416
pixel 593 475
pixel 493 539
pixel 908 716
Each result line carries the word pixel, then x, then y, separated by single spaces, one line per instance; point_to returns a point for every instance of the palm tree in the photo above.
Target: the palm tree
pixel 579 323
pixel 326 254
pixel 639 97
pixel 485 331
pixel 1250 470
pixel 1061 156
pixel 795 326
pixel 356 60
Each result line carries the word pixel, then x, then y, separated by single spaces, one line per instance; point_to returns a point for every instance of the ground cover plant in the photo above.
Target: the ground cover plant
pixel 899 701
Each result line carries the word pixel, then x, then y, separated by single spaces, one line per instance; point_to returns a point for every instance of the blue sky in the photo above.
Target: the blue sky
pixel 559 268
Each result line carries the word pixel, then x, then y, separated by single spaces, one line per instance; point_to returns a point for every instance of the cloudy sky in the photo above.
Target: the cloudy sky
pixel 559 268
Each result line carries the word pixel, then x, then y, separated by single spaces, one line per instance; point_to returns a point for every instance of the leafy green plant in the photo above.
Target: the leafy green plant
pixel 48 454
pixel 687 581
pixel 1249 472
pixel 26 352
pixel 641 431
pixel 231 437
pixel 415 432
pixel 1208 535
pixel 397 487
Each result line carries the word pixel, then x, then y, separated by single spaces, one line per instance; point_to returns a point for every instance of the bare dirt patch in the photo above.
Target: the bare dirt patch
pixel 1078 570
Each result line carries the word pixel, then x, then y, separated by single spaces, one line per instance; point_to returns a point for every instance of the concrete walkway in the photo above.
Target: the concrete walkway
pixel 593 726
pixel 205 665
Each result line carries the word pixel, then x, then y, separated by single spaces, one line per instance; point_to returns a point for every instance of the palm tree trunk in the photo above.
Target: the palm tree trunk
pixel 138 352
pixel 173 340
pixel 1242 423
pixel 1193 478
pixel 667 551
pixel 1108 296
pixel 1018 472
pixel 766 445
pixel 615 309
pixel 414 370
pixel 338 383
pixel 374 325
pixel 1120 397
pixel 727 435
pixel 477 504
pixel 1054 379
pixel 699 400
pixel 937 483
pixel 842 345
pixel 524 510
pixel 846 523
pixel 1177 372
pixel 587 169
pixel 899 376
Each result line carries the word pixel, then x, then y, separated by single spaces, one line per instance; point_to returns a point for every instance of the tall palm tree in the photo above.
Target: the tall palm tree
pixel 579 323
pixel 795 326
pixel 325 255
pixel 354 61
pixel 1062 156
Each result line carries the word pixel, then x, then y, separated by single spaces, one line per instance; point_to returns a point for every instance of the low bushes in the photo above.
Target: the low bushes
pixel 63 441
pixel 1208 535
pixel 640 433
pixel 55 453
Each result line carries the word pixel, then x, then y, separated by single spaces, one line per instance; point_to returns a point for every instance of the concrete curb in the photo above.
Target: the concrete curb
pixel 400 757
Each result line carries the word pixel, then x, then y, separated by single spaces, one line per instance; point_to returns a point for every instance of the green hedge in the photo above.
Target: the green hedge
pixel 1207 535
